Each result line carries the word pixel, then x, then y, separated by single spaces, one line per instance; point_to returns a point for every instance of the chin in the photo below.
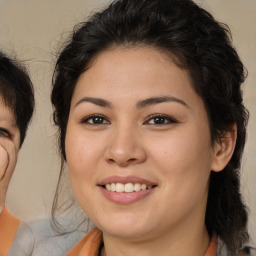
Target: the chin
pixel 127 234
pixel 125 228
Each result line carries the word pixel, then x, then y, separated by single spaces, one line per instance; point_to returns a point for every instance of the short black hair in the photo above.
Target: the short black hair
pixel 17 92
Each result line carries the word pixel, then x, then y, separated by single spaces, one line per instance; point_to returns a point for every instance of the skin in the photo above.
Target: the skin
pixel 9 147
pixel 177 155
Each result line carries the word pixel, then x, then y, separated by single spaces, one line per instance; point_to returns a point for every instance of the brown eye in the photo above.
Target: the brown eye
pixel 160 120
pixel 96 120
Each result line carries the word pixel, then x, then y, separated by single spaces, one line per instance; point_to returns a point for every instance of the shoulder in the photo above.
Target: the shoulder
pixel 23 242
pixel 39 238
pixel 8 228
pixel 56 244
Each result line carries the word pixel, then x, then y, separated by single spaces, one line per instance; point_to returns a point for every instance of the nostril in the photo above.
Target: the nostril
pixel 122 162
pixel 132 160
pixel 111 160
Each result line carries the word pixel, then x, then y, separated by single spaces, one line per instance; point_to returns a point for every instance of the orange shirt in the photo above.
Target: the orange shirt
pixel 8 227
pixel 90 245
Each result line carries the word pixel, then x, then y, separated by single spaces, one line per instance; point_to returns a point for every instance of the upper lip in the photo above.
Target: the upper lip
pixel 126 179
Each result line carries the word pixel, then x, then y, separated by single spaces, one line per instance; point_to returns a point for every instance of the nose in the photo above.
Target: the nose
pixel 125 148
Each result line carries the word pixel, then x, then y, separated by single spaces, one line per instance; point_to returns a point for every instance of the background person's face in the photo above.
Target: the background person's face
pixel 127 136
pixel 9 146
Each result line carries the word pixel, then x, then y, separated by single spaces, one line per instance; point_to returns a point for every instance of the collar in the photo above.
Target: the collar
pixel 90 245
pixel 8 227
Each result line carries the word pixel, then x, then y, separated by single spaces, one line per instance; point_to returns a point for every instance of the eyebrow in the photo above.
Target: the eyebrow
pixel 141 104
pixel 158 100
pixel 96 101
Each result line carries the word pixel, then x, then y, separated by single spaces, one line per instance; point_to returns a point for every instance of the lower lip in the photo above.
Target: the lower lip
pixel 125 198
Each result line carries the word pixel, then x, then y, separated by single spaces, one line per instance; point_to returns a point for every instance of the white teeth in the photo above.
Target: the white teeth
pixel 108 187
pixel 113 187
pixel 119 187
pixel 137 187
pixel 143 186
pixel 127 188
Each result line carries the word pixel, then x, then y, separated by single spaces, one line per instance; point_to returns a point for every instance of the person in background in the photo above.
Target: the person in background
pixel 16 109
pixel 148 101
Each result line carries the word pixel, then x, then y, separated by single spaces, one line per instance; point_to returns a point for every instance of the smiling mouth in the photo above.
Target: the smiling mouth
pixel 126 190
pixel 127 187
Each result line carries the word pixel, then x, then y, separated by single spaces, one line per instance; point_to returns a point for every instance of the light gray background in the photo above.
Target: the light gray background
pixel 34 29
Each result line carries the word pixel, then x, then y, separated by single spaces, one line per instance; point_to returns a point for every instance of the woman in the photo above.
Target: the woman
pixel 147 98
pixel 16 109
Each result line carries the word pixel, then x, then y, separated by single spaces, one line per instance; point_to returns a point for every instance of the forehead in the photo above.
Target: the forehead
pixel 134 72
pixel 6 113
pixel 120 59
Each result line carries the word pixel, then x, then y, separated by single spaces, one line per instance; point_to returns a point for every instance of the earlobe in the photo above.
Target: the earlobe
pixel 224 148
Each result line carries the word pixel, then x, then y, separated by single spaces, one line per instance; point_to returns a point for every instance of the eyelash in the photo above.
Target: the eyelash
pixel 170 120
pixel 94 117
pixel 4 132
pixel 167 120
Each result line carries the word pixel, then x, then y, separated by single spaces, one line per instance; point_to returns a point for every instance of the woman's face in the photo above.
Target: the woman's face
pixel 137 126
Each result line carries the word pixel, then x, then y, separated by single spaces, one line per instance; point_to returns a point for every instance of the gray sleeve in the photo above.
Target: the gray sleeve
pixel 37 238
pixel 253 251
pixel 48 243
pixel 57 245
pixel 24 241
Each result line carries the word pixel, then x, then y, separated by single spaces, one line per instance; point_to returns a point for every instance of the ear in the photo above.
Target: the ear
pixel 224 148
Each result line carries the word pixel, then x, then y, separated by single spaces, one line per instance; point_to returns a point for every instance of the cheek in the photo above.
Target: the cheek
pixel 182 150
pixel 184 160
pixel 3 161
pixel 74 148
pixel 77 156
pixel 82 152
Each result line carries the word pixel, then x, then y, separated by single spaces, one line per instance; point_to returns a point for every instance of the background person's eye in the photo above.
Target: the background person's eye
pixel 95 119
pixel 160 120
pixel 4 132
